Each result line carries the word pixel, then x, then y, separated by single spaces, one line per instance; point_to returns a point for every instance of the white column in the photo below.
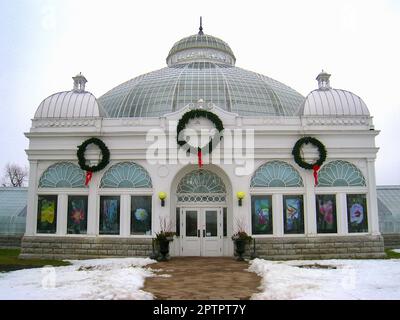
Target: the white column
pixel 31 214
pixel 341 213
pixel 62 208
pixel 93 210
pixel 125 215
pixel 372 202
pixel 310 207
pixel 277 215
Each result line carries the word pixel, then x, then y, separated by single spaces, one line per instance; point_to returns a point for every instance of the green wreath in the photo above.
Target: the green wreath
pixel 299 159
pixel 199 113
pixel 105 153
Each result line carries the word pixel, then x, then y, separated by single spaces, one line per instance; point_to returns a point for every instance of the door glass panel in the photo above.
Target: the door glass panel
pixel 191 223
pixel 211 223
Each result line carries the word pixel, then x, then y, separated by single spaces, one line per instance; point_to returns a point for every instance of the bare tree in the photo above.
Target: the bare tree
pixel 14 175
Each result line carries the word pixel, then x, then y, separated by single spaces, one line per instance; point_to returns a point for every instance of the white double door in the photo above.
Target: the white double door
pixel 201 232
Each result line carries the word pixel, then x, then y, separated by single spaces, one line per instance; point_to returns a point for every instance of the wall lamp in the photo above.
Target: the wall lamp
pixel 240 195
pixel 162 195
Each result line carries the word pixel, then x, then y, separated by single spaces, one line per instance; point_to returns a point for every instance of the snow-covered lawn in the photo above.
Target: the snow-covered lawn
pixel 84 279
pixel 396 250
pixel 328 279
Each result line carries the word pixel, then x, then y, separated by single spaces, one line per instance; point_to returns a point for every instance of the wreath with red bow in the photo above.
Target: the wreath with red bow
pixel 105 157
pixel 296 152
pixel 199 113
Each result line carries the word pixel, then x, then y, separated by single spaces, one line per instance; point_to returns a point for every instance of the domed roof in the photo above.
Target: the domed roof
pixel 201 67
pixel 189 46
pixel 326 101
pixel 76 103
pixel 169 89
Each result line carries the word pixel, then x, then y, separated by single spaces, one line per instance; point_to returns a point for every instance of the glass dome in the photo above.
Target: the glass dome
pixel 201 67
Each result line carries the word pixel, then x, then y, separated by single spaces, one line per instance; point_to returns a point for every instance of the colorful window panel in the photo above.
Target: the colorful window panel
pixel 141 215
pixel 357 213
pixel 293 214
pixel 261 217
pixel 109 215
pixel 47 214
pixel 77 214
pixel 326 213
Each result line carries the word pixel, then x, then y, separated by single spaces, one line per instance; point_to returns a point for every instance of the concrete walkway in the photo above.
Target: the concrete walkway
pixel 207 278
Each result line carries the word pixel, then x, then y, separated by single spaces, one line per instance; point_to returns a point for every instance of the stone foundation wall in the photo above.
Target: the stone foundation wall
pixel 391 240
pixel 322 247
pixel 84 248
pixel 9 241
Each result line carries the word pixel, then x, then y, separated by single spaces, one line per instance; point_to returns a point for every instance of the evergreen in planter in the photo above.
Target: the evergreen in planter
pixel 163 239
pixel 240 239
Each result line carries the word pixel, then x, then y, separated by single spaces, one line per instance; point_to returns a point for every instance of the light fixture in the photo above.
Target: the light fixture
pixel 240 195
pixel 162 195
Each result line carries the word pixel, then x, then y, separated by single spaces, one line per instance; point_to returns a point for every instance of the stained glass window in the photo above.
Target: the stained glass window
pixel 340 173
pixel 261 217
pixel 326 213
pixel 141 215
pixel 126 175
pixel 293 214
pixel 77 214
pixel 63 175
pixel 357 213
pixel 201 181
pixel 109 214
pixel 276 174
pixel 47 214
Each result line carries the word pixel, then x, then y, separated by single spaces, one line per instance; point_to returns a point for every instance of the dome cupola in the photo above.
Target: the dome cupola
pixel 201 48
pixel 326 101
pixel 76 103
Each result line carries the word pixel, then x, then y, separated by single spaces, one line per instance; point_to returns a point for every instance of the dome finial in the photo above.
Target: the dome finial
pixel 201 27
pixel 323 80
pixel 79 82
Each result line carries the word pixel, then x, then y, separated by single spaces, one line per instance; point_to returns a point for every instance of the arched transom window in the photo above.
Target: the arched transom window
pixel 276 174
pixel 63 175
pixel 201 186
pixel 340 173
pixel 126 175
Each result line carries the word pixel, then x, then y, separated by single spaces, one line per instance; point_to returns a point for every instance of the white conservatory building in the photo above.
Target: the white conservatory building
pixel 142 181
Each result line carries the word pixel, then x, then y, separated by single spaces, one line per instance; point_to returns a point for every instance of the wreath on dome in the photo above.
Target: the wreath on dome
pixel 105 157
pixel 300 160
pixel 200 113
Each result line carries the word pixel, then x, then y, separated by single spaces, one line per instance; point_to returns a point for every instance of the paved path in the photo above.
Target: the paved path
pixel 195 278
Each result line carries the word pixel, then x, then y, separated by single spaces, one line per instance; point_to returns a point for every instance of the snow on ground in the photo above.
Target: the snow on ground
pixel 84 279
pixel 396 250
pixel 352 279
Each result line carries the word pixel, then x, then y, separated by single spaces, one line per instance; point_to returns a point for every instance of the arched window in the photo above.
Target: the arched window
pixel 126 175
pixel 201 186
pixel 276 174
pixel 340 173
pixel 63 175
pixel 201 181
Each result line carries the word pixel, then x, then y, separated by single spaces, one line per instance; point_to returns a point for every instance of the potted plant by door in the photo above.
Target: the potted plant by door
pixel 240 238
pixel 163 239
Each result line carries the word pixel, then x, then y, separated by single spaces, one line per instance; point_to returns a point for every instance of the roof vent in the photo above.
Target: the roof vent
pixel 79 83
pixel 323 81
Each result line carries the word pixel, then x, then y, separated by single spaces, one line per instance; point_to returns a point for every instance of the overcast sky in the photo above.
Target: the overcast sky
pixel 45 42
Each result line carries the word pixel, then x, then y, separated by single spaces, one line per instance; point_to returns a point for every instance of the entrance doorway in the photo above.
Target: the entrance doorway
pixel 201 231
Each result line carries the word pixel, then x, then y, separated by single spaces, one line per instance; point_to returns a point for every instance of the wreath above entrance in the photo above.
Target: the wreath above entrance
pixel 105 157
pixel 305 165
pixel 199 113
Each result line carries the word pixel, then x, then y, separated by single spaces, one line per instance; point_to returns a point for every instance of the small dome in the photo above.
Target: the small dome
pixel 326 101
pixel 76 103
pixel 201 47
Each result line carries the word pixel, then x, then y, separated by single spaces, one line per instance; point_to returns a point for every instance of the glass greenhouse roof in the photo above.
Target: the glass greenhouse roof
pixel 169 89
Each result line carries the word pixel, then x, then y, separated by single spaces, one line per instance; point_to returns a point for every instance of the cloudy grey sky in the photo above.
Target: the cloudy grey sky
pixel 43 43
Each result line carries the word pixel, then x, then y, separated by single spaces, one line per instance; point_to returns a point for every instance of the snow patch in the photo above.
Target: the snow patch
pixel 83 280
pixel 333 279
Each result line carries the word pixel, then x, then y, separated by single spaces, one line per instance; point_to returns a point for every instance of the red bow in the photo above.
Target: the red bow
pixel 89 175
pixel 199 155
pixel 316 168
